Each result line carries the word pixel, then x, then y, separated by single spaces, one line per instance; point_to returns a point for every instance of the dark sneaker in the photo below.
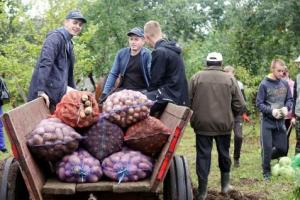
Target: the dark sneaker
pixel 4 150
pixel 267 177
pixel 236 163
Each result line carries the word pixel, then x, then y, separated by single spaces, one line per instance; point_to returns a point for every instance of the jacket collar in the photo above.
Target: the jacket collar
pixel 218 68
pixel 65 33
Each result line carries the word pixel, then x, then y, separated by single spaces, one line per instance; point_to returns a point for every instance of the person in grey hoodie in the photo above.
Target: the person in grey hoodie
pixel 168 80
pixel 274 100
pixel 53 73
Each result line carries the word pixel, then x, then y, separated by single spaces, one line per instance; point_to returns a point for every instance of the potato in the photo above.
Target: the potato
pixel 145 167
pixel 88 110
pixel 37 140
pixel 87 103
pixel 84 98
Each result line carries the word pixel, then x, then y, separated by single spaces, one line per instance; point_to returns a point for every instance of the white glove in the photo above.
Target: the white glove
pixel 284 111
pixel 46 98
pixel 276 113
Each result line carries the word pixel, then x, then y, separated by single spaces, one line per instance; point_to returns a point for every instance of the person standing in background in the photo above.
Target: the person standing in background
pixel 289 117
pixel 2 139
pixel 296 108
pixel 238 122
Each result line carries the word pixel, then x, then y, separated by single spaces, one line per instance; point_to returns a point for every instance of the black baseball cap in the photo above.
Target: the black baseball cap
pixel 136 31
pixel 75 14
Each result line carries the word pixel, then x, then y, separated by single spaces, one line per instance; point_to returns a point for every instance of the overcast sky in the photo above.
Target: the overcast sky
pixel 38 6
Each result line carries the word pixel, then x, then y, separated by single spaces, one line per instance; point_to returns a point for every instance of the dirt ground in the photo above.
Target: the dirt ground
pixel 233 195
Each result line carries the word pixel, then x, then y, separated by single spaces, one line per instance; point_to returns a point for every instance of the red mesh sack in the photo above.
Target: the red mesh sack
pixel 78 109
pixel 147 136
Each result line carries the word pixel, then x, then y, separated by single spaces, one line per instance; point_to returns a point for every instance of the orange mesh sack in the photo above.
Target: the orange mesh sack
pixel 147 136
pixel 78 109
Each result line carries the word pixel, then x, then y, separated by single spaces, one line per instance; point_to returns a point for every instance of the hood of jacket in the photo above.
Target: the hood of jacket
pixel 172 45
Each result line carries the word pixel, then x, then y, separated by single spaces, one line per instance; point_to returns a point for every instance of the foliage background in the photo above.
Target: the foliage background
pixel 249 34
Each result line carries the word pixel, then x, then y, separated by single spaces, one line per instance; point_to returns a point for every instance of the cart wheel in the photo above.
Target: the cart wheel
pixel 177 184
pixel 12 186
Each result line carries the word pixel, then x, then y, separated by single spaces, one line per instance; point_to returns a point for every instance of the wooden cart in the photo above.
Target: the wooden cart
pixel 170 179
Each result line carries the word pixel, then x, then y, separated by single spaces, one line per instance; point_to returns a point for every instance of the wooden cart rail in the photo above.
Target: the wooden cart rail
pixel 21 121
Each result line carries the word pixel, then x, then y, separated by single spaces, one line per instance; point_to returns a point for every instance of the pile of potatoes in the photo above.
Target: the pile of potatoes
pixel 127 107
pixel 79 167
pixel 103 138
pixel 52 139
pixel 127 165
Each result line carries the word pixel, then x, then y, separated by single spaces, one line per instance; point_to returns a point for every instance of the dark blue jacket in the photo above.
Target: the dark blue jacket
pixel 168 73
pixel 54 68
pixel 120 64
pixel 273 94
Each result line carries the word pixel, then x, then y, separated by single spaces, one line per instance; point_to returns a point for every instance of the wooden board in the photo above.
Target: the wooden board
pixel 141 186
pixel 18 123
pixel 173 117
pixel 54 186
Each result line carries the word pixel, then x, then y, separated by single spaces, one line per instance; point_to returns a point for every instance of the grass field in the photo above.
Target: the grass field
pixel 247 178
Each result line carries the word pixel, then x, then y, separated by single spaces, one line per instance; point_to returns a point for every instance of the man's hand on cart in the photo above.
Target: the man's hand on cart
pixel 46 98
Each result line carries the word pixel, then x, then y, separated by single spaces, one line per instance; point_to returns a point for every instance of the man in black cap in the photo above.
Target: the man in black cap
pixel 53 74
pixel 132 64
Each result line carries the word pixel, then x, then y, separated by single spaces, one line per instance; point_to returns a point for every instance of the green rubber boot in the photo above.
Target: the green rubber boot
pixel 202 190
pixel 225 183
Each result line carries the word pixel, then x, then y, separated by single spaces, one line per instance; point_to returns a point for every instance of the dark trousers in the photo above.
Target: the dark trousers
pixel 204 147
pixel 297 127
pixel 273 141
pixel 238 136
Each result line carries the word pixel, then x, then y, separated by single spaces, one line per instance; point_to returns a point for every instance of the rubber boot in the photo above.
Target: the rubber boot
pixel 202 190
pixel 225 182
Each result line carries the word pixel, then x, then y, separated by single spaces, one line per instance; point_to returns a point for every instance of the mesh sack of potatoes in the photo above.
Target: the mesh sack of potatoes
pixel 79 167
pixel 127 107
pixel 127 165
pixel 52 139
pixel 78 109
pixel 147 136
pixel 103 138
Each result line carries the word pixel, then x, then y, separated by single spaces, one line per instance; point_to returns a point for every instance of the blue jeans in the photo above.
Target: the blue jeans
pixel 2 141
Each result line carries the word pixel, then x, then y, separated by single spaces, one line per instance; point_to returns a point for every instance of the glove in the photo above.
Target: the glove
pixel 284 111
pixel 246 118
pixel 293 121
pixel 277 113
pixel 45 96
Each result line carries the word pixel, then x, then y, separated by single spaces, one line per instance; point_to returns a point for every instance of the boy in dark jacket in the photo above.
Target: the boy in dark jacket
pixel 53 74
pixel 168 80
pixel 274 100
pixel 132 63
